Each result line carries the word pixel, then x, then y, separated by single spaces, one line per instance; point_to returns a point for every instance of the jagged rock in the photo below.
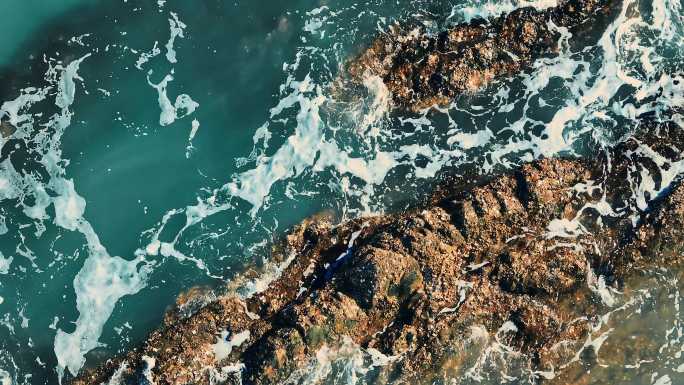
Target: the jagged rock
pixel 421 69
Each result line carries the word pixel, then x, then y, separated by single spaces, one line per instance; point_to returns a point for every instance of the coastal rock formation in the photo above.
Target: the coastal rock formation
pixel 422 69
pixel 520 265
pixel 525 260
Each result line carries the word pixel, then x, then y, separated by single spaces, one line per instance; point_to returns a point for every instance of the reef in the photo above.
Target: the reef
pixel 528 258
pixel 422 68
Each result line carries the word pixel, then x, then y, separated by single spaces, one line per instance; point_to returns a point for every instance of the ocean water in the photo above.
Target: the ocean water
pixel 164 145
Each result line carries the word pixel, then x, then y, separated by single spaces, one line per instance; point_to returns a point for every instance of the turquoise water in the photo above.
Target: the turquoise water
pixel 115 196
pixel 28 18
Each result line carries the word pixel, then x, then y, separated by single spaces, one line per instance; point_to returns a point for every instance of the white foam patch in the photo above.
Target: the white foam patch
pixel 495 350
pixel 5 378
pixel 193 131
pixel 305 149
pixel 150 363
pixel 153 247
pixel 564 228
pixel 5 264
pixel 16 109
pixel 221 375
pixel 177 28
pixel 3 226
pixel 117 377
pixel 350 244
pixel 146 56
pixel 487 9
pixel 69 206
pixel 468 141
pixel 667 18
pixel 347 363
pixel 663 380
pixel 463 288
pixel 378 108
pixel 99 285
pixel 170 112
pixel 269 274
pixel 66 90
pixel 598 286
pixel 292 158
pixel 225 346
pixel 645 188
pixel 169 250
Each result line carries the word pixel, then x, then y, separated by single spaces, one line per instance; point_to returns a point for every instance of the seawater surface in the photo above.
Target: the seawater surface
pixel 150 147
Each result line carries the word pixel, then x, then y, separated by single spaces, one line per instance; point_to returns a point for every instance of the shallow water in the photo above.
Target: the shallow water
pixel 163 145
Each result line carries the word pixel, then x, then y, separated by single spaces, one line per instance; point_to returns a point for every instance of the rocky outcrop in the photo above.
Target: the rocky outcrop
pixel 522 262
pixel 525 259
pixel 421 69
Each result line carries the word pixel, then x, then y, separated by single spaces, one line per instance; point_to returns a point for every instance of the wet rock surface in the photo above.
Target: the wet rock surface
pixel 525 260
pixel 421 69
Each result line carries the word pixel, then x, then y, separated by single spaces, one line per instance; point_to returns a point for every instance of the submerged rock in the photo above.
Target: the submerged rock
pixel 524 261
pixel 6 128
pixel 421 69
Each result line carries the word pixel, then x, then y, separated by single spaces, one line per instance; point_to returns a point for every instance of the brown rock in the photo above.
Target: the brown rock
pixel 422 69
